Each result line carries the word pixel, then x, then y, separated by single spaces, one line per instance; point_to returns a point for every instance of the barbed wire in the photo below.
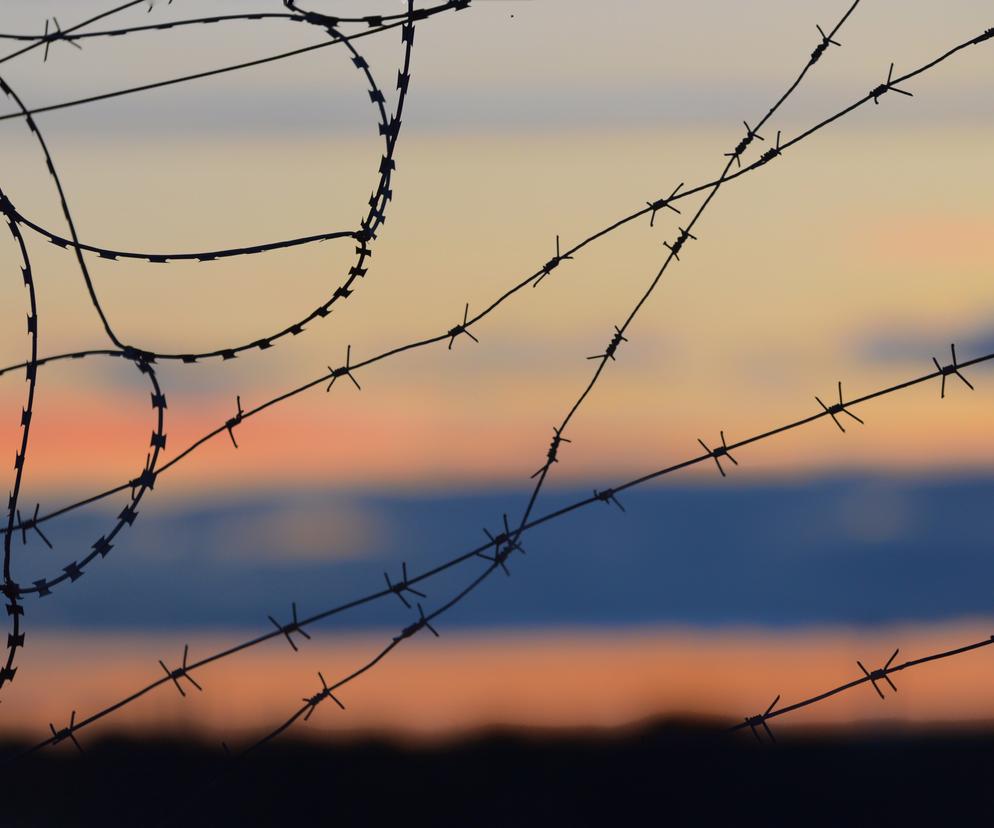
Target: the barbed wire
pixel 389 127
pixel 447 336
pixel 501 546
pixel 15 638
pixel 754 723
pixel 496 551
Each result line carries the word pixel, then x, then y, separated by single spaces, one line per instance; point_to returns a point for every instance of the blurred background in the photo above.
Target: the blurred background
pixel 857 256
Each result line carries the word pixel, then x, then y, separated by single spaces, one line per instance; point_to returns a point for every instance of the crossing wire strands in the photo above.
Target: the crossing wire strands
pixel 501 546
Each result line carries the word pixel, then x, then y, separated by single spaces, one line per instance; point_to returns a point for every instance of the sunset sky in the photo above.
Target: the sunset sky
pixel 857 256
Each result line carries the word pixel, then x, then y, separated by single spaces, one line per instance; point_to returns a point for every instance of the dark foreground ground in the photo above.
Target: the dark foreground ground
pixel 667 775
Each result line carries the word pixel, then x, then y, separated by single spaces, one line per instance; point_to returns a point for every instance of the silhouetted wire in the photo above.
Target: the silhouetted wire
pixel 15 638
pixel 507 542
pixel 869 676
pixel 504 544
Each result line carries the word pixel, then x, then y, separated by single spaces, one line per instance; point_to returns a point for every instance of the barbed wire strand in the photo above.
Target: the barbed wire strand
pixel 534 278
pixel 347 371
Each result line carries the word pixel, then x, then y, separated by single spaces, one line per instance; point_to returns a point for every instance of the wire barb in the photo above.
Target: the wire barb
pixel 838 408
pixel 946 370
pixel 770 154
pixel 551 455
pixel 743 145
pixel 145 480
pixel 66 733
pixel 32 523
pixel 181 672
pixel 677 246
pixel 344 371
pixel 322 694
pixel 660 203
pixel 616 340
pixel 292 627
pixel 826 40
pixel 461 329
pixel 608 496
pixel 987 35
pixel 504 544
pixel 234 421
pixel 720 451
pixel 880 675
pixel 57 34
pixel 402 586
pixel 414 627
pixel 883 88
pixel 759 720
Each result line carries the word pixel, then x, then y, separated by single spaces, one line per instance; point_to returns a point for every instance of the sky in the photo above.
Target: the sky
pixel 857 256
